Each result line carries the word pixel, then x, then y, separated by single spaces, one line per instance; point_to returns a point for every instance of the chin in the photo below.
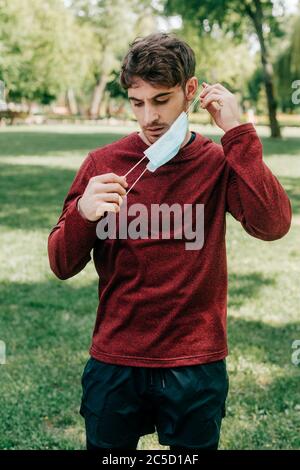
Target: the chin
pixel 154 137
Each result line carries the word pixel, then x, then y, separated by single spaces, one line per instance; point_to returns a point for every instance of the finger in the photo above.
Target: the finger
pixel 219 86
pixel 213 109
pixel 108 207
pixel 209 88
pixel 109 188
pixel 213 96
pixel 215 91
pixel 205 90
pixel 110 197
pixel 110 178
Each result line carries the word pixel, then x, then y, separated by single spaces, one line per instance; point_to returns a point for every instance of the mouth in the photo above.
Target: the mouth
pixel 155 130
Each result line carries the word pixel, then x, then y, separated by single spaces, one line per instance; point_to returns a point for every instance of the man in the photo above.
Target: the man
pixel 159 343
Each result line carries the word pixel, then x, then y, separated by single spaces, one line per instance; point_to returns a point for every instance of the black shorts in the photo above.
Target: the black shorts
pixel 184 405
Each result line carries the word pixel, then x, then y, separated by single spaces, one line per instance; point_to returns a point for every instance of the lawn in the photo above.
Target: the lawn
pixel 47 323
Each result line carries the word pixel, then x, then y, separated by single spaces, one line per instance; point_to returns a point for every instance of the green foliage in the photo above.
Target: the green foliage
pixel 43 50
pixel 232 15
pixel 50 46
pixel 255 85
pixel 114 88
pixel 295 48
pixel 219 58
pixel 287 65
pixel 114 25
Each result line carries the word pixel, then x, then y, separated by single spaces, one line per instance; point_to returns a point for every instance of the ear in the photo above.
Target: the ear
pixel 191 88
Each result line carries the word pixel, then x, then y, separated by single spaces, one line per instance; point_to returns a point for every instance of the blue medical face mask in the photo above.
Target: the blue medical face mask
pixel 167 146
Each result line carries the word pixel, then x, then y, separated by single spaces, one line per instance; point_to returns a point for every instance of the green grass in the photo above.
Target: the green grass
pixel 47 323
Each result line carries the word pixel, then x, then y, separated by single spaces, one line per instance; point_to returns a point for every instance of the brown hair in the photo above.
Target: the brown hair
pixel 160 59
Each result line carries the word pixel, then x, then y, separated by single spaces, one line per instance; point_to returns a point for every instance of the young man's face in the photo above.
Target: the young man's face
pixel 156 108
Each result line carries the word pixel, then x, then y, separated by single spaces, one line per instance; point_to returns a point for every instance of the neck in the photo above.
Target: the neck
pixel 187 138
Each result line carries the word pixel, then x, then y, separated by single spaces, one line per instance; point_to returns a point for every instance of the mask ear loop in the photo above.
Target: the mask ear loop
pixel 138 177
pixel 136 181
pixel 193 102
pixel 191 105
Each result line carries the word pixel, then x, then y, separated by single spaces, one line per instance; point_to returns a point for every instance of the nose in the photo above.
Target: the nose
pixel 151 116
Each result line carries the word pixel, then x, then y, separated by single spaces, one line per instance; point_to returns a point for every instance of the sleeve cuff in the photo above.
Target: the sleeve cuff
pixel 78 218
pixel 237 131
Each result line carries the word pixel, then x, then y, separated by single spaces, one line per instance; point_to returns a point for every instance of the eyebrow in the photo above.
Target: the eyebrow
pixel 153 97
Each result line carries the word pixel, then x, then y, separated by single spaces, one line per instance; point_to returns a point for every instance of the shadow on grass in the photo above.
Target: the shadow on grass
pixel 32 196
pixel 269 343
pixel 292 187
pixel 37 143
pixel 245 286
pixel 47 314
pixel 262 417
pixel 284 146
pixel 14 144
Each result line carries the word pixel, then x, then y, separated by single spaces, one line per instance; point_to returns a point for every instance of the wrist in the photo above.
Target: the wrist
pixel 231 125
pixel 79 209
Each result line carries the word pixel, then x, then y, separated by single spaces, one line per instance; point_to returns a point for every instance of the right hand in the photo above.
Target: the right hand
pixel 103 193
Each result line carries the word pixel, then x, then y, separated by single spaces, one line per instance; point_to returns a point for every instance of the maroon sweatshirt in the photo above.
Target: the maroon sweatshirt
pixel 161 305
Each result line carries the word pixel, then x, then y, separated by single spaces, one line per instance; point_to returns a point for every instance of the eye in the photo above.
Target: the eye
pixel 161 102
pixel 138 105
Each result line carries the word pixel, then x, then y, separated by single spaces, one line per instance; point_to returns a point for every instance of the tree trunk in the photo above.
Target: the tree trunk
pixel 72 102
pixel 257 18
pixel 97 96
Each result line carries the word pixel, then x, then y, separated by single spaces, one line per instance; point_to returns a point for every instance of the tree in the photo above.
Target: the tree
pixel 43 50
pixel 210 49
pixel 114 24
pixel 241 17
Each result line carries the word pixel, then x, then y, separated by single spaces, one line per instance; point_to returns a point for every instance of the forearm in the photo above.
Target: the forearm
pixel 73 237
pixel 70 242
pixel 256 197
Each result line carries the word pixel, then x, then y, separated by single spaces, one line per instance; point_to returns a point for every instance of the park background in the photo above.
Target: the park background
pixel 60 98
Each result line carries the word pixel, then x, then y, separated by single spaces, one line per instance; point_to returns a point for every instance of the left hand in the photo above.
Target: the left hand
pixel 227 114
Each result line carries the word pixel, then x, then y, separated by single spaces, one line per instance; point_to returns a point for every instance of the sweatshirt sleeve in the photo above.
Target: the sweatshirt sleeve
pixel 73 237
pixel 254 195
